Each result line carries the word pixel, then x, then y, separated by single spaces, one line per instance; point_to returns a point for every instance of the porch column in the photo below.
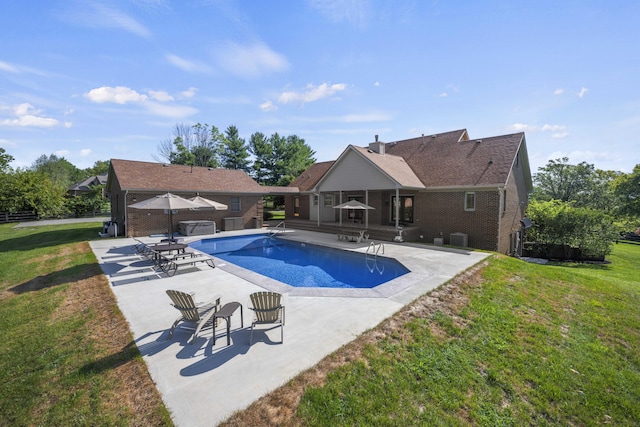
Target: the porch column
pixel 366 211
pixel 318 207
pixel 397 207
pixel 340 209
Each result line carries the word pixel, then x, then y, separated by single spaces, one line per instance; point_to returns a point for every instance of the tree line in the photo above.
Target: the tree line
pixel 42 187
pixel 270 160
pixel 583 207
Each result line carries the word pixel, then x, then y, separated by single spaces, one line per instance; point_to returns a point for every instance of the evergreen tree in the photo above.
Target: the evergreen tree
pixel 234 153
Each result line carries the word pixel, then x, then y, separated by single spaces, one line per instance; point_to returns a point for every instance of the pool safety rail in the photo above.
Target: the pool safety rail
pixel 375 248
pixel 280 228
pixel 371 257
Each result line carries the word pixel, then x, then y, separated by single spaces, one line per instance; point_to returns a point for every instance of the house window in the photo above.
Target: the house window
pixel 406 209
pixel 328 200
pixel 470 201
pixel 315 200
pixel 296 206
pixel 235 204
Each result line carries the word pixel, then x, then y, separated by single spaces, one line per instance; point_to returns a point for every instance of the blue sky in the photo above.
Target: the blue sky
pixel 94 80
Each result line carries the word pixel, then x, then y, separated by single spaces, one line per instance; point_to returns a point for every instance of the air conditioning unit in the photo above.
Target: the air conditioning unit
pixel 458 239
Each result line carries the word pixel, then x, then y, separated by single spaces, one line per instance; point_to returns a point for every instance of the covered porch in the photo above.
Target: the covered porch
pixel 375 231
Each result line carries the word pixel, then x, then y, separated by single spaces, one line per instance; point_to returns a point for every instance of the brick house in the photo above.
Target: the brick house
pixel 443 188
pixel 133 181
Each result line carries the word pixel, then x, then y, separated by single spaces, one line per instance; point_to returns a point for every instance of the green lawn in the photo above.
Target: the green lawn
pixel 527 345
pixel 534 345
pixel 66 354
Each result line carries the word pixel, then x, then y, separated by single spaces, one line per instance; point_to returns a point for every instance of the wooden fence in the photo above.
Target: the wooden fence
pixel 6 217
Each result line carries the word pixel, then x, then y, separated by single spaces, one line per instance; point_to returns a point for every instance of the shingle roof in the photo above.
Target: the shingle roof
pixel 146 176
pixel 311 176
pixel 441 161
pixel 396 167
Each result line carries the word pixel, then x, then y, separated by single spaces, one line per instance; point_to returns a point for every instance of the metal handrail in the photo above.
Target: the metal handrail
pixel 275 230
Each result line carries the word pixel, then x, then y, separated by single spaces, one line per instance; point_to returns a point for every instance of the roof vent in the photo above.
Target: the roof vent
pixel 478 141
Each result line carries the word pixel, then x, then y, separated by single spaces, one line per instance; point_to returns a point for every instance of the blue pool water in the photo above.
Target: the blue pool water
pixel 303 265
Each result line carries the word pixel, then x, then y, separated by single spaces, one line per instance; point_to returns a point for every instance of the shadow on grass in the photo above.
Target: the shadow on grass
pixel 127 354
pixel 56 278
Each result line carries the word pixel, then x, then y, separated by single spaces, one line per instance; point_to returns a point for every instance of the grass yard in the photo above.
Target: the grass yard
pixel 508 343
pixel 67 357
pixel 505 343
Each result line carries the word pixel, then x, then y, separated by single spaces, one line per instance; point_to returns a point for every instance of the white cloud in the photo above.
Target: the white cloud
pixel 186 65
pixel 443 95
pixel 251 60
pixel 560 135
pixel 519 127
pixel 68 125
pixel 268 106
pixel 583 92
pixel 98 15
pixel 189 93
pixel 553 128
pixel 62 153
pixel 367 117
pixel 158 102
pixel 354 12
pixel 312 93
pixel 558 91
pixel 376 84
pixel 25 115
pixel 5 66
pixel 85 152
pixel 522 127
pixel 160 95
pixel 118 95
pixel 170 110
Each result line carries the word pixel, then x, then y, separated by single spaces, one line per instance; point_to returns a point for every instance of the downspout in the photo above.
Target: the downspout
pixel 126 192
pixel 318 208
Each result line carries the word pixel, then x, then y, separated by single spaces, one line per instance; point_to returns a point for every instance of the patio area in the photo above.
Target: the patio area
pixel 202 384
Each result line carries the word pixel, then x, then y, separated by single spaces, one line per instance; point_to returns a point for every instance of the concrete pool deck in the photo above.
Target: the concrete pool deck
pixel 202 384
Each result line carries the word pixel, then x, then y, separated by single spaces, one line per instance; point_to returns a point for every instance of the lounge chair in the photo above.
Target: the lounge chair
pixel 267 309
pixel 170 265
pixel 195 316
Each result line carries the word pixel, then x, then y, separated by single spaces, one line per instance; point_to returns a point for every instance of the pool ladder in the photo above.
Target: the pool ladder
pixel 372 263
pixel 375 248
pixel 280 228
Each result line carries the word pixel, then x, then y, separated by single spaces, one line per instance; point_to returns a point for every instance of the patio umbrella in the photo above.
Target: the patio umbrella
pixel 352 204
pixel 209 204
pixel 168 202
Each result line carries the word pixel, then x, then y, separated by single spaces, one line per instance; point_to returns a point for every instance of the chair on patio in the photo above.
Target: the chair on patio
pixel 267 309
pixel 195 316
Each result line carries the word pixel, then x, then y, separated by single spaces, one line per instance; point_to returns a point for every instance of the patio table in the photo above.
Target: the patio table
pixel 169 247
pixel 225 313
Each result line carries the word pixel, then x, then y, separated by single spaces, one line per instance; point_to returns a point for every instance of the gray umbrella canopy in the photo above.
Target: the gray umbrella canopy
pixel 168 202
pixel 353 204
pixel 209 204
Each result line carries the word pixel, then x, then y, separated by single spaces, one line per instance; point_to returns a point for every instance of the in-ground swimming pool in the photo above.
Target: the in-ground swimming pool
pixel 302 264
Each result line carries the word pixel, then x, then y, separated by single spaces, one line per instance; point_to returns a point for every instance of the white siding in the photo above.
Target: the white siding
pixel 355 173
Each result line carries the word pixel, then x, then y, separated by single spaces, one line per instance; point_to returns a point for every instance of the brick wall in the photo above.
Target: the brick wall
pixel 142 222
pixel 439 214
